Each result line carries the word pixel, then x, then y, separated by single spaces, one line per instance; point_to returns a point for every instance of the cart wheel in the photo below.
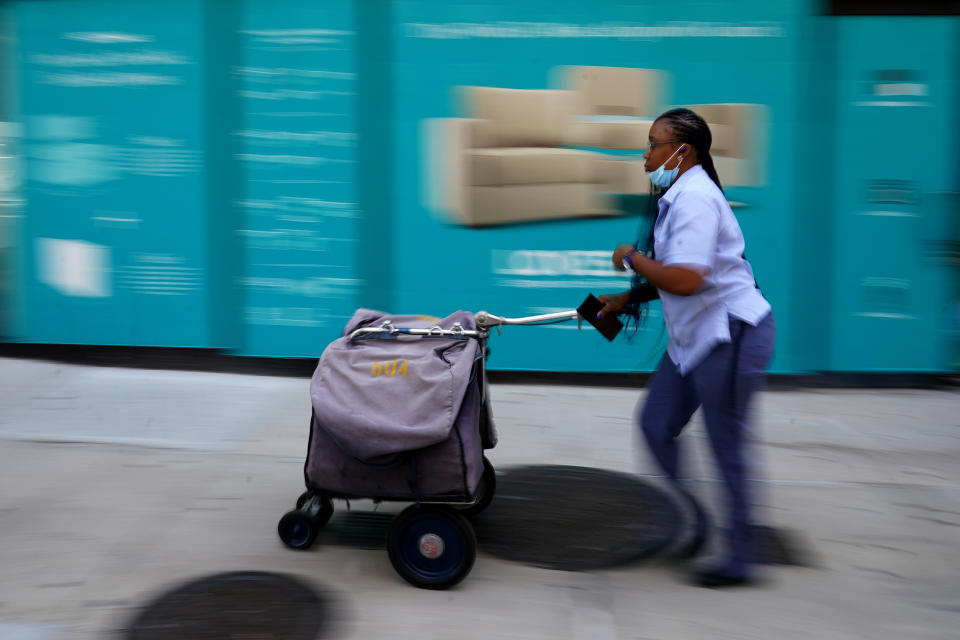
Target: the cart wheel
pixel 306 495
pixel 297 529
pixel 485 491
pixel 317 506
pixel 432 547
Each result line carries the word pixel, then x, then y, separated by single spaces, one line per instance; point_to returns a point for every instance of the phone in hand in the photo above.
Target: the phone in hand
pixel 608 325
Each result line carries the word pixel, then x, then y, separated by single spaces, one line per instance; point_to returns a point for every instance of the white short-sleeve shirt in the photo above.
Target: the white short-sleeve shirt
pixel 696 228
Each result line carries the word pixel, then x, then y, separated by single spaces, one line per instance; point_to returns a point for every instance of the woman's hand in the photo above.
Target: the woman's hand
pixel 612 303
pixel 618 255
pixel 675 279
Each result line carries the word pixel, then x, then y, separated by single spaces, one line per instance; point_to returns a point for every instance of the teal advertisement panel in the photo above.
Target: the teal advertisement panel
pixel 10 175
pixel 113 236
pixel 894 305
pixel 517 154
pixel 241 175
pixel 298 157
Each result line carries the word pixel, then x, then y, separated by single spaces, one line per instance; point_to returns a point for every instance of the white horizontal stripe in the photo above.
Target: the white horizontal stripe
pixel 891 103
pixel 554 284
pixel 879 314
pixel 106 219
pixel 890 214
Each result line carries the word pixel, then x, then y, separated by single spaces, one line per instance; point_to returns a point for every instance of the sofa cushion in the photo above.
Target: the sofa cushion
pixel 725 141
pixel 738 129
pixel 739 172
pixel 529 165
pixel 528 202
pixel 624 177
pixel 617 91
pixel 724 113
pixel 609 132
pixel 521 117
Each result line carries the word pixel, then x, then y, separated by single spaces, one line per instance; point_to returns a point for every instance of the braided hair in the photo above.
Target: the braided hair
pixel 691 129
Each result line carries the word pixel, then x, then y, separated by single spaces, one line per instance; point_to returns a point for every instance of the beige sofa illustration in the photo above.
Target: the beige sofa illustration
pixel 509 162
pixel 523 155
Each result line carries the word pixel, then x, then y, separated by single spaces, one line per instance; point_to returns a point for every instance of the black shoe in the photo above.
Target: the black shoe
pixel 719 577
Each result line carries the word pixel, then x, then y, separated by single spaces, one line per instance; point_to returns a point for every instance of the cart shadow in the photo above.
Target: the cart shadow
pixel 576 519
pixel 363 530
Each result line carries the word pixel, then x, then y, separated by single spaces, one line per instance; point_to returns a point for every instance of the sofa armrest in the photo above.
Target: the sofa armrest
pixel 443 144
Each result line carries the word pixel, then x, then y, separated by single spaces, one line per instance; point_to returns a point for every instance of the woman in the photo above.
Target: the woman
pixel 721 329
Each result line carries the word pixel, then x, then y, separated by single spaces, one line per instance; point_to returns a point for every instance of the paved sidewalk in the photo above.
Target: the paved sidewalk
pixel 117 484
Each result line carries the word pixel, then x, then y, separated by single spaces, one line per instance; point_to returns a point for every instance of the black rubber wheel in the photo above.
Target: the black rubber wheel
pixel 432 547
pixel 297 529
pixel 306 495
pixel 485 491
pixel 321 513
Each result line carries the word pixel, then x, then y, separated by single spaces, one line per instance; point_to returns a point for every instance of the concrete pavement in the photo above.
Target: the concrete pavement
pixel 117 484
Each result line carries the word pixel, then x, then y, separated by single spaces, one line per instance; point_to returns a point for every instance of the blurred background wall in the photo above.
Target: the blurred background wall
pixel 242 175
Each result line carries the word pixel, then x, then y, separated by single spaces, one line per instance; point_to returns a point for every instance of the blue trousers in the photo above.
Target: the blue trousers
pixel 723 385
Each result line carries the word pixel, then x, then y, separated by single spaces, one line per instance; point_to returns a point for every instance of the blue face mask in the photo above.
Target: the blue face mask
pixel 663 177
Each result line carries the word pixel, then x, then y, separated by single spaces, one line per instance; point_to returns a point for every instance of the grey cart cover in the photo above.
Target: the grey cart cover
pixel 376 398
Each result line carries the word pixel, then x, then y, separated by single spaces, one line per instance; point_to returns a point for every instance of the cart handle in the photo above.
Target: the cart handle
pixel 486 320
pixel 387 330
pixel 483 319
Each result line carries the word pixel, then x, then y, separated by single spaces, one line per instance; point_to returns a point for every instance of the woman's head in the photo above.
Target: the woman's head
pixel 680 133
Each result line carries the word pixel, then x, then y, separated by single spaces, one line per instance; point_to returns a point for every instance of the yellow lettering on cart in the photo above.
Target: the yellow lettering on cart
pixel 389 369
